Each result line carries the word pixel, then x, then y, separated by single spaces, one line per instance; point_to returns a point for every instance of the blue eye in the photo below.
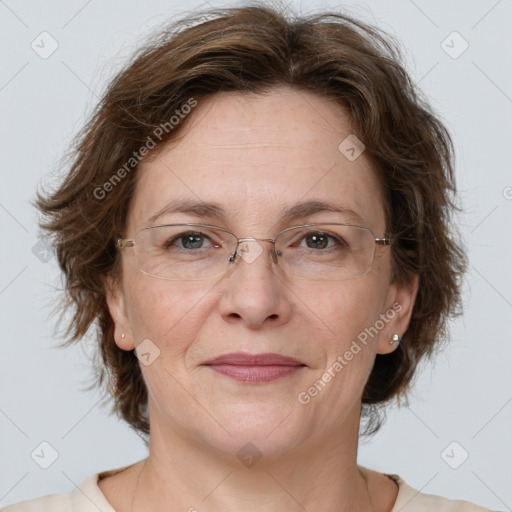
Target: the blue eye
pixel 190 240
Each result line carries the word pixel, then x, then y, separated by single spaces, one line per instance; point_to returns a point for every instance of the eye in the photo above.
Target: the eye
pixel 190 240
pixel 320 240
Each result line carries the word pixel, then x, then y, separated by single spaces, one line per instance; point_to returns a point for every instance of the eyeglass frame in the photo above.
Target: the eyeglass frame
pixel 124 243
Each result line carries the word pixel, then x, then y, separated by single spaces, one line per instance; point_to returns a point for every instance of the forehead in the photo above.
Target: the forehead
pixel 257 153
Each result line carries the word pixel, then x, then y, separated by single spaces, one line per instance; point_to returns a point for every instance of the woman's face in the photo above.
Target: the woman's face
pixel 256 156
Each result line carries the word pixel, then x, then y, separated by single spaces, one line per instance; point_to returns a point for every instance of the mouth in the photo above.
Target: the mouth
pixel 254 368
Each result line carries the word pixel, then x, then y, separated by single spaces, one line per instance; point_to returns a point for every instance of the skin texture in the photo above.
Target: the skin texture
pixel 256 154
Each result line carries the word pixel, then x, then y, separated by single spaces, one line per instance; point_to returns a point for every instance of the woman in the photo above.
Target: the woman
pixel 257 219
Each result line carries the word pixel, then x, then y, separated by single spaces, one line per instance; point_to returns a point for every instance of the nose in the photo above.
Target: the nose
pixel 255 291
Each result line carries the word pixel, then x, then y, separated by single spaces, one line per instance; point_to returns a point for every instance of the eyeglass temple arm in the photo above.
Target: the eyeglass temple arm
pixel 383 241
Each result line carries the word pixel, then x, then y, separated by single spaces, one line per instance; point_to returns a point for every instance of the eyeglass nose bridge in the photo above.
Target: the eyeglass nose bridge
pixel 236 254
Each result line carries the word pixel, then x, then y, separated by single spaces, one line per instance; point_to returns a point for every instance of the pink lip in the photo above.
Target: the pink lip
pixel 244 359
pixel 254 367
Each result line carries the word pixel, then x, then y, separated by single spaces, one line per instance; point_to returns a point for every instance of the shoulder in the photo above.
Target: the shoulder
pixel 411 500
pixel 53 502
pixel 87 497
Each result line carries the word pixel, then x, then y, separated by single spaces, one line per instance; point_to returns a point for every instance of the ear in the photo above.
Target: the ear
pixel 400 304
pixel 116 306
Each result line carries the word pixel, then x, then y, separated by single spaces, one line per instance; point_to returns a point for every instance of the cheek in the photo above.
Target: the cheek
pixel 165 312
pixel 340 320
pixel 335 320
pixel 345 310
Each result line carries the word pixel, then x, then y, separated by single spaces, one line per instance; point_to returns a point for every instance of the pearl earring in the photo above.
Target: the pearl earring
pixel 122 336
pixel 395 339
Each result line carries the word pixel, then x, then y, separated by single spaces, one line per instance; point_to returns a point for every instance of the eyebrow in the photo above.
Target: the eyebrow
pixel 215 210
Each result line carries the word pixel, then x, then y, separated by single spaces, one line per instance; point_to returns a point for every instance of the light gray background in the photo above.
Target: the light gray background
pixel 465 397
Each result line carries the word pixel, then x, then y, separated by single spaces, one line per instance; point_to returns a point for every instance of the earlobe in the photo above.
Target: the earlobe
pixel 116 306
pixel 402 298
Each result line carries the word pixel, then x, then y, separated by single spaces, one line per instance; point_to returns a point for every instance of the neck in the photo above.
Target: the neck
pixel 316 475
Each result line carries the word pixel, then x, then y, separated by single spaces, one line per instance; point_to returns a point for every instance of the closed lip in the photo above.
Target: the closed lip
pixel 244 359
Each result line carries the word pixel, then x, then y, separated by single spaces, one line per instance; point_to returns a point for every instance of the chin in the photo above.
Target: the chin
pixel 266 429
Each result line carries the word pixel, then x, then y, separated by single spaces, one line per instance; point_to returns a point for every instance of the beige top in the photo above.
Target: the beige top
pixel 89 498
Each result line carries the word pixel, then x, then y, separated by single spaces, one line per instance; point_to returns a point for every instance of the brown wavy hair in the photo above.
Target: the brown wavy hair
pixel 254 49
